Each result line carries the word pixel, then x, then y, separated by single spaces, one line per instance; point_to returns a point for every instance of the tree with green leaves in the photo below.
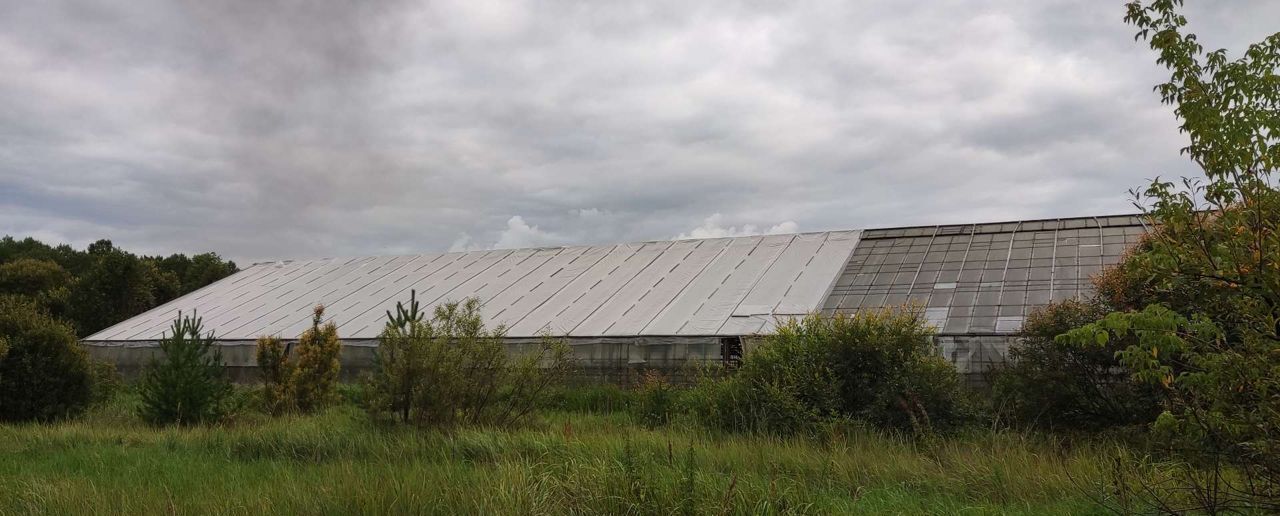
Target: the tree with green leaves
pixel 45 374
pixel 187 385
pixel 1212 341
pixel 116 286
pixel 1063 386
pixel 103 284
pixel 451 370
pixel 42 281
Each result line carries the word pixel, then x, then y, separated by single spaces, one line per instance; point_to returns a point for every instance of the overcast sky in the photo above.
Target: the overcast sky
pixel 266 130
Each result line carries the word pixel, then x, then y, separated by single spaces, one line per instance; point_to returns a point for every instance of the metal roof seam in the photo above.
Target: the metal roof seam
pixel 624 284
pixel 680 293
pixel 800 272
pixel 756 281
pixel 209 316
pixel 566 284
pixel 457 258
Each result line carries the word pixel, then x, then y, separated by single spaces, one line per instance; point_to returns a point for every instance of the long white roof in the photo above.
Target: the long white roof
pixel 721 286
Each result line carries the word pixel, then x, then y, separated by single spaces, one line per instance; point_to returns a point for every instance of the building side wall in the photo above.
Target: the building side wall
pixel 615 360
pixel 599 359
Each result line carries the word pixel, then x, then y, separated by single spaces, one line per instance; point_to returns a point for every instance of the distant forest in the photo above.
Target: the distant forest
pixel 103 284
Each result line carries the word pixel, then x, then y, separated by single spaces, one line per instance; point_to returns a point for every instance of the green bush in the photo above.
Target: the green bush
pixel 306 379
pixel 655 401
pixel 276 371
pixel 44 375
pixel 880 367
pixel 317 365
pixel 106 380
pixel 187 385
pixel 739 404
pixel 925 395
pixel 451 370
pixel 1064 386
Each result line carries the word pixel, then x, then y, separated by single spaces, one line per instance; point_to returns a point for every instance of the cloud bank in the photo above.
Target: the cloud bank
pixel 264 130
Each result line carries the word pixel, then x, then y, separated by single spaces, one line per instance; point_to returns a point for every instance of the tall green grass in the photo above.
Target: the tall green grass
pixel 570 462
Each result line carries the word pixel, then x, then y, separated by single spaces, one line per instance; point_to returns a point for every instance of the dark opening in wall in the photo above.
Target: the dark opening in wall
pixel 731 351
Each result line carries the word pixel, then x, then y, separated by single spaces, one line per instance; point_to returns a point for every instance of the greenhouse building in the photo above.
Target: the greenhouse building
pixel 664 304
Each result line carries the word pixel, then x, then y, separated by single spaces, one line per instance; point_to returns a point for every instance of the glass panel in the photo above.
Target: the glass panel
pixel 1008 324
pixel 940 298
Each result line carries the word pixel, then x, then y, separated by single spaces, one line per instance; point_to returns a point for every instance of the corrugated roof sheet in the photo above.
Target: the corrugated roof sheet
pixel 724 286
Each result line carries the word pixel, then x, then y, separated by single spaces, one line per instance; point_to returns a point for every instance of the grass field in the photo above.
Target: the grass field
pixel 570 461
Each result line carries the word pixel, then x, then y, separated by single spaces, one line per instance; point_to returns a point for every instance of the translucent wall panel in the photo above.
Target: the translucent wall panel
pixel 982 278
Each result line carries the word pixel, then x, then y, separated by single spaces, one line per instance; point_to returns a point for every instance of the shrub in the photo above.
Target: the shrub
pixel 884 366
pixel 656 400
pixel 276 371
pixel 1059 385
pixel 105 379
pixel 924 395
pixel 740 404
pixel 44 375
pixel 451 370
pixel 306 381
pixel 878 366
pixel 187 385
pixel 317 365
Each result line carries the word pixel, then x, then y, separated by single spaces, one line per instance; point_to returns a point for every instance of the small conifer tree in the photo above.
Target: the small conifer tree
pixel 399 368
pixel 187 385
pixel 315 372
pixel 277 374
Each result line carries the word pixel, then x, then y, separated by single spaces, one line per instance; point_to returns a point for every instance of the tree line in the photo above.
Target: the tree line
pixel 99 286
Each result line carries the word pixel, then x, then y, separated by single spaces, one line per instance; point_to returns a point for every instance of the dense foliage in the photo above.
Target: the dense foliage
pixel 187 384
pixel 1210 337
pixel 44 374
pixel 316 365
pixel 301 376
pixel 451 370
pixel 1063 386
pixel 102 285
pixel 655 400
pixel 880 367
pixel 276 371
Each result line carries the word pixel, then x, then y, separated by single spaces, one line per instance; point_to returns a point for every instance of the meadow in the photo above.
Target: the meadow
pixel 575 458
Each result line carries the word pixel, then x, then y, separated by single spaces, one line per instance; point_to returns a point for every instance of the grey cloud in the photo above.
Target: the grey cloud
pixel 273 129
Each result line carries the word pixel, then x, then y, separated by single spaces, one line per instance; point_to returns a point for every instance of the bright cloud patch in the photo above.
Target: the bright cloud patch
pixel 714 227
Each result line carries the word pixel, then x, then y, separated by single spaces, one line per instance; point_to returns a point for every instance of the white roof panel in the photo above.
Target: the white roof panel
pixel 777 278
pixel 729 293
pixel 661 287
pixel 633 291
pixel 724 286
pixel 531 291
